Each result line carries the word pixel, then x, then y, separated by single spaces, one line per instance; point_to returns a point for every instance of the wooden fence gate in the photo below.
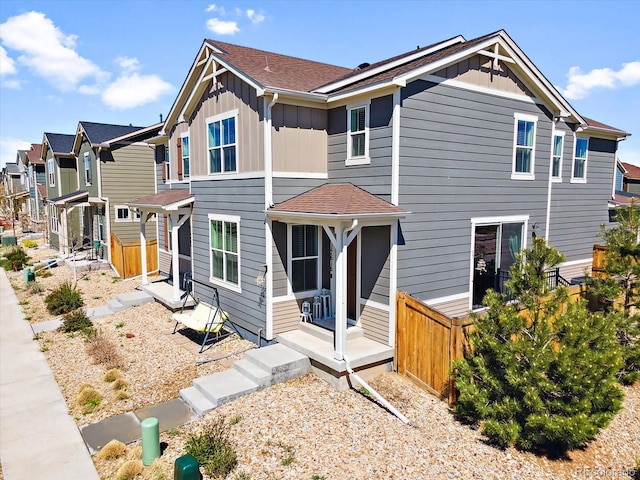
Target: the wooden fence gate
pixel 126 257
pixel 427 343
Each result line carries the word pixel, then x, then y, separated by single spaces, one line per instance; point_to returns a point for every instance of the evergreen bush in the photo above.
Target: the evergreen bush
pixel 64 299
pixel 541 373
pixel 213 450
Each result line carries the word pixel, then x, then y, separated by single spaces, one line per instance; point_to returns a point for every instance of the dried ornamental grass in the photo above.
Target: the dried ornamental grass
pixel 130 470
pixel 112 450
pixel 104 351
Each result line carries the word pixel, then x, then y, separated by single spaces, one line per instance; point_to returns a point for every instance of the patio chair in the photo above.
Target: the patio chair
pixel 205 317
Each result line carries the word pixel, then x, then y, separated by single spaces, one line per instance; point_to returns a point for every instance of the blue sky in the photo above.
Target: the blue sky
pixel 123 61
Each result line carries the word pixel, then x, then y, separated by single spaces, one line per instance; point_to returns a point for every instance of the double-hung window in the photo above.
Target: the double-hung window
pixel 167 163
pixel 185 155
pixel 51 172
pixel 556 157
pixel 524 146
pixel 579 171
pixel 224 245
pixel 221 143
pixel 358 135
pixel 304 258
pixel 87 169
pixel 53 218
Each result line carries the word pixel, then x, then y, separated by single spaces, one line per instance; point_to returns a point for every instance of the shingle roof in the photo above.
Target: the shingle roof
pixel 632 171
pixel 60 142
pixel 277 70
pixel 161 199
pixel 337 199
pixel 34 154
pixel 13 169
pixel 101 132
pixel 594 123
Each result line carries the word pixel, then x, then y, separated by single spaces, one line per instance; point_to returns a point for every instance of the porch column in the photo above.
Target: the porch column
pixel 63 239
pixel 175 259
pixel 143 246
pixel 341 314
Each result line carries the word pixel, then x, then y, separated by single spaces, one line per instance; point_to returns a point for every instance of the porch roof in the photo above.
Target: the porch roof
pixel 163 201
pixel 79 198
pixel 337 201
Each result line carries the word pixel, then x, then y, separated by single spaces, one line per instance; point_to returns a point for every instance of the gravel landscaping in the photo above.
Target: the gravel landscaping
pixel 301 429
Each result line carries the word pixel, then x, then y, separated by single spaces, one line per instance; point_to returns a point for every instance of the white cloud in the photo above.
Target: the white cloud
pixel 215 8
pixel 47 51
pixel 12 84
pixel 580 84
pixel 128 64
pixel 7 65
pixel 220 27
pixel 255 17
pixel 9 149
pixel 133 90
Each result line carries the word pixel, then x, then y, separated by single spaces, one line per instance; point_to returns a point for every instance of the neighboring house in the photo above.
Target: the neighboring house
pixel 423 173
pixel 15 188
pixel 630 177
pixel 61 180
pixel 36 179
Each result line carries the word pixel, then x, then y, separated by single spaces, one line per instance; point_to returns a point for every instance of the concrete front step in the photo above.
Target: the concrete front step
pixel 223 387
pixel 115 306
pixel 260 368
pixel 327 335
pixel 99 312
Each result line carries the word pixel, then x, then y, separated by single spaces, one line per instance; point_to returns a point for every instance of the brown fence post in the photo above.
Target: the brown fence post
pixel 400 326
pixel 455 353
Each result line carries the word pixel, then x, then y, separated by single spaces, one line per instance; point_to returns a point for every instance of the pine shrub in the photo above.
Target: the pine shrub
pixel 15 258
pixel 541 375
pixel 64 299
pixel 76 321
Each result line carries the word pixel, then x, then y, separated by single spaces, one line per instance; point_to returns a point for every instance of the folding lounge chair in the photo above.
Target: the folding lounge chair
pixel 204 318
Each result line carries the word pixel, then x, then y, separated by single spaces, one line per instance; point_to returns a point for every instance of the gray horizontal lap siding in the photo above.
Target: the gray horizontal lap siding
pixel 375 245
pixel 577 209
pixel 456 150
pixel 376 177
pixel 243 198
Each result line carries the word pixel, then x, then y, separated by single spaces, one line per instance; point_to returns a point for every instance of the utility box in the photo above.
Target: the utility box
pixel 186 468
pixel 28 275
pixel 9 240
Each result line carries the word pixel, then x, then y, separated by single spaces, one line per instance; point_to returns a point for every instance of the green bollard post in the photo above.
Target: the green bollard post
pixel 150 429
pixel 186 468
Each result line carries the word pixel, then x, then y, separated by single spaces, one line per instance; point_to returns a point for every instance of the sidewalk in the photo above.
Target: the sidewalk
pixel 38 438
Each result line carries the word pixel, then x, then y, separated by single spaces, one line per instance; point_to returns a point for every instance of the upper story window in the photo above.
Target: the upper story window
pixel 184 153
pixel 579 171
pixel 224 243
pixel 304 257
pixel 87 169
pixel 358 135
pixel 167 164
pixel 524 146
pixel 221 143
pixel 51 172
pixel 556 157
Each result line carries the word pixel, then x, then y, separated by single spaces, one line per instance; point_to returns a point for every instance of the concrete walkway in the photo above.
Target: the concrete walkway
pixel 38 438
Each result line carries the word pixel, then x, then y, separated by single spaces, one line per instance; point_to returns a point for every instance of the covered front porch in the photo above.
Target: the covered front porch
pixel 335 244
pixel 177 206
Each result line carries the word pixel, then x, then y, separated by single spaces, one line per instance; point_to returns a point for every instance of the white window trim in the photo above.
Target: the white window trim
pixel 365 159
pixel 480 221
pixel 216 281
pixel 167 161
pixel 51 173
pixel 86 160
pixel 557 133
pixel 181 159
pixel 130 214
pixel 524 175
pixel 218 118
pixel 304 293
pixel 54 219
pixel 573 162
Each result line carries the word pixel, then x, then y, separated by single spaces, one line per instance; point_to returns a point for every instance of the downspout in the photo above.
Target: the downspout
pixel 268 202
pixel 375 394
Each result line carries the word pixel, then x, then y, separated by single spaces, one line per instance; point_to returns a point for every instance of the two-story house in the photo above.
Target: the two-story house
pixel 36 177
pixel 425 173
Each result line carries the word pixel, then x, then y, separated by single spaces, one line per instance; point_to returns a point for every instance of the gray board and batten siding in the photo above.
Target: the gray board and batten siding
pixel 243 198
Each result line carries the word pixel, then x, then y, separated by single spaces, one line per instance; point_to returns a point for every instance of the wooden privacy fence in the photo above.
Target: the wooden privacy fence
pixel 427 343
pixel 598 263
pixel 126 257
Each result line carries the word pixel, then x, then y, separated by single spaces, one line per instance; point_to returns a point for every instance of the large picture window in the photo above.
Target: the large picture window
pixel 304 258
pixel 224 241
pixel 524 150
pixel 221 143
pixel 579 172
